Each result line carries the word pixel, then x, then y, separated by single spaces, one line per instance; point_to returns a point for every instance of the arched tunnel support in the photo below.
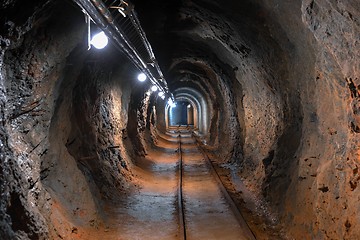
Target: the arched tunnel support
pixel 199 104
pixel 194 107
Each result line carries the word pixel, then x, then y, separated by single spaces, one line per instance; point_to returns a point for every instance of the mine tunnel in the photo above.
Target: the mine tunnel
pixel 245 125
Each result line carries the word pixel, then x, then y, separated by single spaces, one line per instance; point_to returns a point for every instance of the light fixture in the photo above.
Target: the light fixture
pixel 141 77
pixel 171 103
pixel 154 88
pixel 162 95
pixel 189 106
pixel 99 40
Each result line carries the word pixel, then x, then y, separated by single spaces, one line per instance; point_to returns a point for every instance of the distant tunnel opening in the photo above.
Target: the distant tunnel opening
pixel 181 114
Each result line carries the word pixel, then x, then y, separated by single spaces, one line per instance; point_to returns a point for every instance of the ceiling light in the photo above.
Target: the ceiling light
pixel 99 40
pixel 154 88
pixel 141 77
pixel 189 106
pixel 171 103
pixel 161 94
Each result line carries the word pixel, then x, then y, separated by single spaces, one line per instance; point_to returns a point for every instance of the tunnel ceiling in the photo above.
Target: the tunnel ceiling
pixel 276 83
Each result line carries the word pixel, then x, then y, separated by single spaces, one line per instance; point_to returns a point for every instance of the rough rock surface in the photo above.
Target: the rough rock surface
pixel 290 70
pixel 64 128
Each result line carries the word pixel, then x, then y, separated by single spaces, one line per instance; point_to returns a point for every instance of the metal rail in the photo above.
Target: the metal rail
pixel 118 19
pixel 182 229
pixel 226 194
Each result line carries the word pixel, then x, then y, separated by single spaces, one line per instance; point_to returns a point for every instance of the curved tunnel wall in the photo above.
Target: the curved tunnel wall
pixel 201 106
pixel 195 114
pixel 194 111
pixel 198 101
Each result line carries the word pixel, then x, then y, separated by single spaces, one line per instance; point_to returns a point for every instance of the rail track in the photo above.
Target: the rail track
pixel 206 210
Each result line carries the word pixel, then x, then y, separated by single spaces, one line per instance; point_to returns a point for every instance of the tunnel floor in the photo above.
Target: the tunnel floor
pixel 207 213
pixel 151 210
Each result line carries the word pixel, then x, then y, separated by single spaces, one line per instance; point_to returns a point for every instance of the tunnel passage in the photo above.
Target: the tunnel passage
pixel 194 109
pixel 274 90
pixel 180 114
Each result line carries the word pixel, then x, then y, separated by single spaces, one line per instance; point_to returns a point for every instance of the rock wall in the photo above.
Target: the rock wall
pixel 281 77
pixel 30 69
pixel 328 155
pixel 65 146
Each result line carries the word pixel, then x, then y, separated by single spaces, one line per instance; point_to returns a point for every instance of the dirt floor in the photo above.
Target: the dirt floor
pixel 150 209
pixel 261 220
pixel 207 213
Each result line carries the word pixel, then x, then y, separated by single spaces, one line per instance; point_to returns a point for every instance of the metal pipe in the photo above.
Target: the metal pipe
pixel 141 32
pixel 102 17
pixel 88 25
pixel 135 20
pixel 103 10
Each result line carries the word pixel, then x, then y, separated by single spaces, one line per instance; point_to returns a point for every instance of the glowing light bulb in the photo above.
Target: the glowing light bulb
pixel 189 106
pixel 161 94
pixel 154 88
pixel 171 103
pixel 99 40
pixel 141 77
